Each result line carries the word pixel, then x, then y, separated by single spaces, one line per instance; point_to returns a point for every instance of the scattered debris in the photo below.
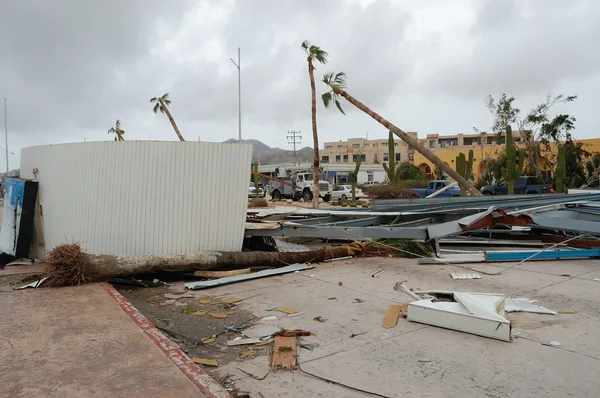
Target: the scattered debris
pixel 309 346
pixel 567 312
pixel 268 318
pixel 353 335
pixel 319 319
pixel 239 341
pixel 232 300
pixel 460 275
pixel 401 287
pixel 295 314
pixel 178 296
pixel 222 274
pixel 358 301
pixel 248 353
pixel 199 313
pixel 331 298
pixel 284 353
pixel 475 313
pixel 287 310
pixel 34 285
pixel 551 343
pixel 271 308
pixel 391 318
pixel 294 332
pixel 525 304
pixel 596 279
pixel 241 278
pixel 261 331
pixel 205 301
pixel 207 340
pixel 378 273
pixel 340 284
pixel 207 362
pixel 265 342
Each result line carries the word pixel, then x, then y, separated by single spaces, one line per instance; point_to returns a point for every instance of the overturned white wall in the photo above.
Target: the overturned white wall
pixel 140 197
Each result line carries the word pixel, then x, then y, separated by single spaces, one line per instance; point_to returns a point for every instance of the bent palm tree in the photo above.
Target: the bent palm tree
pixel 118 131
pixel 161 105
pixel 337 83
pixel 314 53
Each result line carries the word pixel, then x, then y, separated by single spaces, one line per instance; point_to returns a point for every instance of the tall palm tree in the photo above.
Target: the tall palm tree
pixel 161 105
pixel 118 131
pixel 337 84
pixel 314 53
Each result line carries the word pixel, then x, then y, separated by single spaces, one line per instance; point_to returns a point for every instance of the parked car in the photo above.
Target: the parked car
pixel 252 193
pixel 436 185
pixel 523 185
pixel 370 183
pixel 344 192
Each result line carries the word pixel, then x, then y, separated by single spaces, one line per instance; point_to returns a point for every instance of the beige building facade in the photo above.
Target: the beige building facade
pixel 371 151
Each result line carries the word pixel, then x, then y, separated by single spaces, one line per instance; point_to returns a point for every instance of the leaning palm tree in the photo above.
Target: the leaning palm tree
pixel 337 84
pixel 314 53
pixel 161 105
pixel 117 131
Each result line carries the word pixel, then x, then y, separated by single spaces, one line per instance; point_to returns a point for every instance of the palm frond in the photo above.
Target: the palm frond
pixel 118 123
pixel 328 78
pixel 153 99
pixel 121 131
pixel 156 107
pixel 327 97
pixel 339 106
pixel 340 80
pixel 111 130
pixel 318 54
pixel 165 96
pixel 305 45
pixel 167 102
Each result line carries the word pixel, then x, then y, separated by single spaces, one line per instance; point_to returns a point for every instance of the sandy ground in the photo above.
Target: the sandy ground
pixel 415 360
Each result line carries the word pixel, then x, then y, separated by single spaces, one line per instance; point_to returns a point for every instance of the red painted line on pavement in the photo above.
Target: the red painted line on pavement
pixel 197 375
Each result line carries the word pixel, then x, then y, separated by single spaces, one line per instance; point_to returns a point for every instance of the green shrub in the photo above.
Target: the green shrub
pixel 400 191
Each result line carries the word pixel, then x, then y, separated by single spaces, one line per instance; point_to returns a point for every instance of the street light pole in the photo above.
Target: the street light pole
pixel 239 93
pixel 6 136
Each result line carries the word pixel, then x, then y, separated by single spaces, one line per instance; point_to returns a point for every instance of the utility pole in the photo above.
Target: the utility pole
pixel 6 136
pixel 294 138
pixel 238 64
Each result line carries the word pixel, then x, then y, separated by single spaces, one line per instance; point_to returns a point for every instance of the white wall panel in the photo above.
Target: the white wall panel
pixel 141 197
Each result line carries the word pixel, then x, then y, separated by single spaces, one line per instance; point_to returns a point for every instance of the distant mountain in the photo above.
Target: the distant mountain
pixel 268 155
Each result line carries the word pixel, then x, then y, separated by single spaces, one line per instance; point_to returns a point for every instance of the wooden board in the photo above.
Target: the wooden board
pixel 284 353
pixel 222 274
pixel 287 310
pixel 208 362
pixel 391 318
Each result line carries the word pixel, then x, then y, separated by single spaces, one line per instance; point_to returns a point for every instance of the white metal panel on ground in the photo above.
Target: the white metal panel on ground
pixel 141 197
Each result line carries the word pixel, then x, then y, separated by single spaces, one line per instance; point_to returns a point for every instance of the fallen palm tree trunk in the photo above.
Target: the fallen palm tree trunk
pixel 67 265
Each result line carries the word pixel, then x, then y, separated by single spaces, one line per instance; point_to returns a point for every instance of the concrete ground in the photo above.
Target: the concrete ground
pixel 415 360
pixel 78 342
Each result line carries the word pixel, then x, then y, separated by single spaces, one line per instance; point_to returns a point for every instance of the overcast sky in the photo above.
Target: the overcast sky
pixel 70 68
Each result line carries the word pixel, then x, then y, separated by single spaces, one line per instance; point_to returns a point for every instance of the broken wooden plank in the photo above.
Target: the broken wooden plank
pixel 247 353
pixel 199 313
pixel 207 362
pixel 222 274
pixel 218 315
pixel 284 353
pixel 391 318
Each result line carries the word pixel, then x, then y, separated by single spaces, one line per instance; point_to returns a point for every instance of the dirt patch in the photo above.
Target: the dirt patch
pixel 188 330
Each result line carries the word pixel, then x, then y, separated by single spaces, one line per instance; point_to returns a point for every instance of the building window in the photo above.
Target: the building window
pixel 345 158
pixel 329 147
pixel 367 145
pixel 325 159
pixel 431 144
pixel 410 148
pixel 384 144
pixel 340 146
pixel 354 158
pixel 490 140
pixel 369 176
pixel 337 158
pixel 355 145
pixel 501 140
pixel 411 157
pixel 395 144
pixel 397 157
pixel 385 156
pixel 363 157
